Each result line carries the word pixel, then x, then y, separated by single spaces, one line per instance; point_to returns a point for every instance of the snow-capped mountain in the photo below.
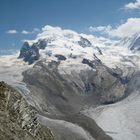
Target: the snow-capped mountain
pixel 57 44
pixel 72 79
pixel 53 42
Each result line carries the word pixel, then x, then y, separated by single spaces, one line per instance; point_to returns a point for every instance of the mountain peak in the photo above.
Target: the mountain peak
pixel 57 44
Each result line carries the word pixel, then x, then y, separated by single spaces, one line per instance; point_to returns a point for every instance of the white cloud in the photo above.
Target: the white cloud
pixel 103 29
pixel 129 28
pixel 25 32
pixel 133 5
pixel 11 32
pixel 35 30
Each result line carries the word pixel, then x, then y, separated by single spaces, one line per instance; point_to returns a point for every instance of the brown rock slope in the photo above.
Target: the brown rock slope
pixel 18 120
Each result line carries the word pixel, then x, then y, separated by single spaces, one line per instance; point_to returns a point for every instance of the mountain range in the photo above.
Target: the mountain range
pixel 76 82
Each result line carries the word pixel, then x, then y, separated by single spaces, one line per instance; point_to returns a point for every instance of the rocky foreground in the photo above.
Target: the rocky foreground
pixel 18 120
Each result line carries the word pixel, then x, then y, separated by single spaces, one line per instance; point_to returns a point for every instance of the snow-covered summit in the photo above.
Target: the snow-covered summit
pixel 55 43
pixel 132 43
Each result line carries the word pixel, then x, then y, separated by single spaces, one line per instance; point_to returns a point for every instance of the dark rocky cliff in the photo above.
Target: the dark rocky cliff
pixel 29 53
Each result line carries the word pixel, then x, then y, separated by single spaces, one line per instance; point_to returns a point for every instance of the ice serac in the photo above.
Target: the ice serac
pixel 18 120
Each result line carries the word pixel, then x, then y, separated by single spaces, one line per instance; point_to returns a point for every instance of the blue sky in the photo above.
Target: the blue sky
pixel 21 19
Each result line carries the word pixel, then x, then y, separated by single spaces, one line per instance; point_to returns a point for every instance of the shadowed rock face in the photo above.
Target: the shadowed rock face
pixel 29 54
pixel 84 42
pixel 88 62
pixel 41 44
pixel 60 57
pixel 99 50
pixel 135 46
pixel 18 120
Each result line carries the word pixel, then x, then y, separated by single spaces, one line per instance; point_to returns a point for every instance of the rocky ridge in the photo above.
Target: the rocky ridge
pixel 18 120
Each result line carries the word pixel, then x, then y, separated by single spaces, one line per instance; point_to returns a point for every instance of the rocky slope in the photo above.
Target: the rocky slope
pixel 18 120
pixel 70 92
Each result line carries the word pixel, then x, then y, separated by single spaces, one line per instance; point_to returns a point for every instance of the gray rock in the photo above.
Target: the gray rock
pixel 99 50
pixel 18 120
pixel 135 45
pixel 29 53
pixel 84 42
pixel 60 57
pixel 71 92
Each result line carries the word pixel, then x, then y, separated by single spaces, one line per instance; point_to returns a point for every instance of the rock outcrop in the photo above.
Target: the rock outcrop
pixel 29 53
pixel 135 45
pixel 84 42
pixel 18 120
pixel 60 57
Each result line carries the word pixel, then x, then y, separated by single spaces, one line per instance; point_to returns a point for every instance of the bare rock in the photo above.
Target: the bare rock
pixel 18 120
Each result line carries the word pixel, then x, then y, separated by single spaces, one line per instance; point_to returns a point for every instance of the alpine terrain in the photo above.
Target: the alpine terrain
pixel 69 86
